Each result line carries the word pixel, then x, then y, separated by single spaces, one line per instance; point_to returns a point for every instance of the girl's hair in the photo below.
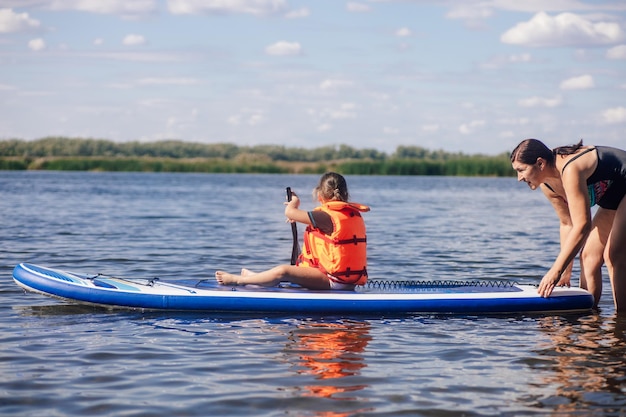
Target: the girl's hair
pixel 332 187
pixel 529 150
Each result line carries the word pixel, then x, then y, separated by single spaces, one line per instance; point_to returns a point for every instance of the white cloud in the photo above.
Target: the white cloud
pixel 345 111
pixel 247 116
pixel 118 7
pixel 332 84
pixel 16 22
pixel 473 14
pixel 617 52
pixel 467 128
pixel 521 121
pixel 37 44
pixel 254 7
pixel 582 82
pixel 500 61
pixel 134 39
pixel 482 9
pixel 403 32
pixel 168 81
pixel 357 7
pixel 536 101
pixel 430 128
pixel 36 93
pixel 298 14
pixel 615 115
pixel 255 119
pixel 284 48
pixel 325 127
pixel 98 41
pixel 150 57
pixel 565 29
pixel 469 12
pixel 155 102
pixel 533 6
pixel 520 58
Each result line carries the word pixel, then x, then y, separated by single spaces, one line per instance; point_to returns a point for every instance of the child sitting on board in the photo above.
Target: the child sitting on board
pixel 334 255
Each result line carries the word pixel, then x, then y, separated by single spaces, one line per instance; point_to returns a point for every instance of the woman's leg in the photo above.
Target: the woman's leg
pixel 592 255
pixel 311 278
pixel 615 255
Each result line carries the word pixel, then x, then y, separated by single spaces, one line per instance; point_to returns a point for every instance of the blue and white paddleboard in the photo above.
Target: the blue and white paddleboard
pixel 375 298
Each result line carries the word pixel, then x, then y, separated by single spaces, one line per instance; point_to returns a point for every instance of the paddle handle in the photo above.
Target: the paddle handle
pixel 295 248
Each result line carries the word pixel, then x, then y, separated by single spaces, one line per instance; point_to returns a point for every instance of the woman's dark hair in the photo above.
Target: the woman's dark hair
pixel 568 150
pixel 529 150
pixel 332 186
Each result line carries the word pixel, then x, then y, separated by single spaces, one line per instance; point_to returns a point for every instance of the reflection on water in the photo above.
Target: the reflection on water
pixel 332 353
pixel 587 360
pixel 58 310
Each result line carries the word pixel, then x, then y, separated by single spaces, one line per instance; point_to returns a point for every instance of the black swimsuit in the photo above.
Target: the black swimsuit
pixel 607 184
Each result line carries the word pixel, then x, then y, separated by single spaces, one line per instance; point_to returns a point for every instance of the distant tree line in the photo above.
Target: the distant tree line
pixel 60 153
pixel 63 147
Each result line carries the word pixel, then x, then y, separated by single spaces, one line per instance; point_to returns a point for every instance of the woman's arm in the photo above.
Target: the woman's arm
pixel 565 225
pixel 575 218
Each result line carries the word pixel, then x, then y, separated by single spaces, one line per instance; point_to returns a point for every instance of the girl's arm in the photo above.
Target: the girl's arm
pixel 293 212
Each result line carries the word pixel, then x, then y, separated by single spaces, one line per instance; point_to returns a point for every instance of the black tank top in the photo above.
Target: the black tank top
pixel 611 167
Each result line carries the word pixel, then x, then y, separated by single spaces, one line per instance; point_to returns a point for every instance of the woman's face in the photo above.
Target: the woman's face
pixel 530 174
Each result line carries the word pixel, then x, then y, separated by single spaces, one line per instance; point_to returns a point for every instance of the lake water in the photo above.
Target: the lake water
pixel 59 359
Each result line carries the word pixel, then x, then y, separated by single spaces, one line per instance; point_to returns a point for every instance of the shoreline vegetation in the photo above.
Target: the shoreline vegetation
pixel 77 154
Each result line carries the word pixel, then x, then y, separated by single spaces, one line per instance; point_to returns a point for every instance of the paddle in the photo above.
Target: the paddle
pixel 295 249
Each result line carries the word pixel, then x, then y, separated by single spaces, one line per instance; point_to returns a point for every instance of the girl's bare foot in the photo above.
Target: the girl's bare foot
pixel 224 278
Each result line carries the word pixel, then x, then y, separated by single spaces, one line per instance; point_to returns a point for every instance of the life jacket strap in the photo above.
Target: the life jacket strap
pixel 354 240
pixel 347 277
pixel 348 272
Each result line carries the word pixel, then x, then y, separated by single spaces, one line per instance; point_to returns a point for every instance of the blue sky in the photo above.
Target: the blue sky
pixel 472 76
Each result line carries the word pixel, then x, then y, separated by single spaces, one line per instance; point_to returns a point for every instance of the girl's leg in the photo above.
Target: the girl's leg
pixel 616 257
pixel 306 277
pixel 592 255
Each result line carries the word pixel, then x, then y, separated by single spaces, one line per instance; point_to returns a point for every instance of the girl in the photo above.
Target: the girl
pixel 334 254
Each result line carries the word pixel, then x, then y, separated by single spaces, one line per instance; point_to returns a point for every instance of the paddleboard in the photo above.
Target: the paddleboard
pixel 378 297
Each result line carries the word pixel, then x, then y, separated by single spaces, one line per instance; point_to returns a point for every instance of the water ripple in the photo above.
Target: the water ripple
pixel 60 359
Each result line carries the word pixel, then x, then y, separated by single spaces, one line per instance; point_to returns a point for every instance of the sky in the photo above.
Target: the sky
pixel 471 76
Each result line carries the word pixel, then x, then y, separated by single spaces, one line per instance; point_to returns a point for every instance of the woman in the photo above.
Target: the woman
pixel 334 255
pixel 574 178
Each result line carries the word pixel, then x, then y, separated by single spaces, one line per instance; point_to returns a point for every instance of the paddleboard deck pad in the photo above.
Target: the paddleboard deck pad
pixel 378 297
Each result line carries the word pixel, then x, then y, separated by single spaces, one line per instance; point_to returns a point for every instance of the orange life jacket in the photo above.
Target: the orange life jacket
pixel 343 254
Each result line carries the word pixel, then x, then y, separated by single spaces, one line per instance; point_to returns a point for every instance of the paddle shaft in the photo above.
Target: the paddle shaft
pixel 295 249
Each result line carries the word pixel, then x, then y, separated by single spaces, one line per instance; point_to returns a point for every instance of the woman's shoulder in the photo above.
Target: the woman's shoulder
pixel 583 159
